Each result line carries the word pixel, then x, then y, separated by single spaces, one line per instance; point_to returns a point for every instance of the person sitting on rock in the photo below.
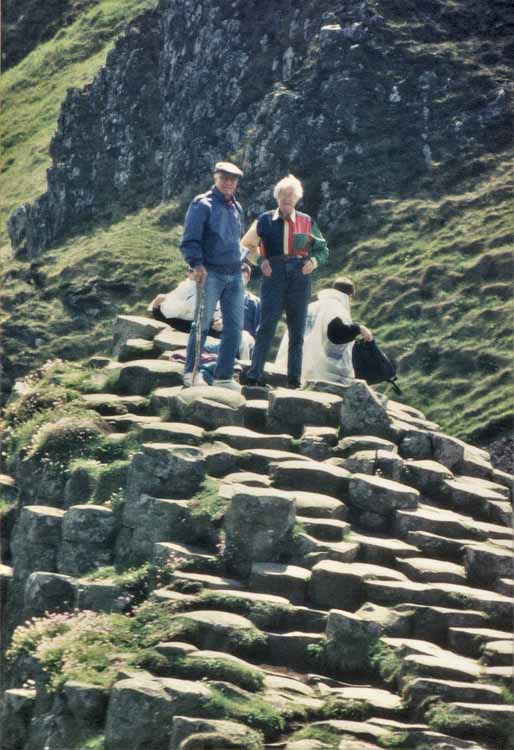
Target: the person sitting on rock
pixel 177 308
pixel 328 348
pixel 252 317
pixel 291 247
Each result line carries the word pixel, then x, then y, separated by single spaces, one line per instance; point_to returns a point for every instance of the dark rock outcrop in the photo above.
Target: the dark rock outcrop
pixel 370 96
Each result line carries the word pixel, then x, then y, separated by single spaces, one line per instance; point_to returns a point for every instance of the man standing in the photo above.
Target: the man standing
pixel 211 246
pixel 291 248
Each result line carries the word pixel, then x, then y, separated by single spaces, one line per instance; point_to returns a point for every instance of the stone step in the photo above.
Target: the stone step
pixel 446 523
pixel 262 460
pixel 124 423
pixel 134 326
pixel 185 557
pixel 470 641
pixel 243 439
pixel 429 570
pixel 318 442
pixel 171 432
pixel 137 348
pixel 220 459
pixel 418 689
pixel 469 496
pixel 498 653
pixel 110 404
pixel 423 659
pixel 436 546
pixel 207 406
pixel 377 463
pixel 499 675
pixel 326 529
pixel 486 562
pixel 382 703
pixel 427 476
pixel 350 445
pixel 289 581
pixel 451 595
pixel 497 720
pixel 505 586
pixel 500 512
pixel 342 585
pixel 302 474
pixel 293 409
pixel 140 377
pixel 248 478
pixel 311 551
pixel 382 550
pixel 295 649
pixel 255 414
pixel 187 581
pixel 433 623
pixel 314 505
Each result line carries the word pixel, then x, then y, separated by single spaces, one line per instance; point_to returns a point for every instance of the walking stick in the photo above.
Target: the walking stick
pixel 198 330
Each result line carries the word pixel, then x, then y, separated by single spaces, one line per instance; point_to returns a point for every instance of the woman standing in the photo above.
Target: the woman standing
pixel 291 247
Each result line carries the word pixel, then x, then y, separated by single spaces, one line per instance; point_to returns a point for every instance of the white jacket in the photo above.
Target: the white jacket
pixel 181 302
pixel 323 360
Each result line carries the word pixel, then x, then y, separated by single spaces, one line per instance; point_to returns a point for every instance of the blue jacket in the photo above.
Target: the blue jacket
pixel 252 313
pixel 212 233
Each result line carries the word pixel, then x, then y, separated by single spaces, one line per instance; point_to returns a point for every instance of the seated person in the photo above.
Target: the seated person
pixel 177 308
pixel 327 352
pixel 252 317
pixel 329 349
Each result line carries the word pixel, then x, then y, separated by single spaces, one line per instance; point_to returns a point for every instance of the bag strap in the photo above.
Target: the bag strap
pixel 396 387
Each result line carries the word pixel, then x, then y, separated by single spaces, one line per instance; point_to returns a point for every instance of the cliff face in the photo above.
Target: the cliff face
pixel 362 100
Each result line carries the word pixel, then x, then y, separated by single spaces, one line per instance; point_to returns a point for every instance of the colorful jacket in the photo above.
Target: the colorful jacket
pixel 272 236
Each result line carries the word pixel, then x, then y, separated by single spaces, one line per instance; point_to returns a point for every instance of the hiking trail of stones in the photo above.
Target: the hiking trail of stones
pixel 369 554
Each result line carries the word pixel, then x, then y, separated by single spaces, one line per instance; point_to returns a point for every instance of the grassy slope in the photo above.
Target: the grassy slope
pixel 432 275
pixel 435 283
pixel 33 90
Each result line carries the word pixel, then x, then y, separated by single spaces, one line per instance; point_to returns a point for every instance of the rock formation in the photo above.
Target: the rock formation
pixel 277 90
pixel 207 569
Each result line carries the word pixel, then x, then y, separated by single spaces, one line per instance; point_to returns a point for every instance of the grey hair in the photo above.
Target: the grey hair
pixel 289 183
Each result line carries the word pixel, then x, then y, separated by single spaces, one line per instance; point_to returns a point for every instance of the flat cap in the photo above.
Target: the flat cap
pixel 228 167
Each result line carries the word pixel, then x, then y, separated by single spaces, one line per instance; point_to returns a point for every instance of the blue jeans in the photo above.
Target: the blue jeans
pixel 290 290
pixel 229 290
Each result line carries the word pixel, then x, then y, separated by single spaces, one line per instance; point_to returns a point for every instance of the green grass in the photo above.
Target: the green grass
pixel 433 283
pixel 33 90
pixel 5 507
pixel 330 738
pixel 200 666
pixel 138 252
pixel 208 501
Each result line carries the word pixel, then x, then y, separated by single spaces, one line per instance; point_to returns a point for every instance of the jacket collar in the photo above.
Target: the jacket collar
pixel 219 196
pixel 277 215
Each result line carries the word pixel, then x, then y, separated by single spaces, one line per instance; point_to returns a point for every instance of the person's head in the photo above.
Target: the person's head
pixel 287 192
pixel 345 285
pixel 226 178
pixel 247 272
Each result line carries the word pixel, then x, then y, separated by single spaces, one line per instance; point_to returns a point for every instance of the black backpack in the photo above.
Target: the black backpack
pixel 373 365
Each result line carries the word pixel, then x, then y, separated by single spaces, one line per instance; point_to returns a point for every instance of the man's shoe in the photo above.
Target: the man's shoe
pixel 245 379
pixel 231 385
pixel 294 383
pixel 189 381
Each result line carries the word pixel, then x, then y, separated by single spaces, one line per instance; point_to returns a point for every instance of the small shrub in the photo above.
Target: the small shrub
pixel 442 718
pixel 208 502
pixel 346 708
pixel 385 661
pixel 255 712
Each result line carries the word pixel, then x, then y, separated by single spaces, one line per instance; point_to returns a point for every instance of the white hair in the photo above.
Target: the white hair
pixel 288 183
